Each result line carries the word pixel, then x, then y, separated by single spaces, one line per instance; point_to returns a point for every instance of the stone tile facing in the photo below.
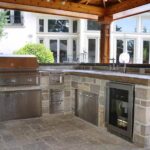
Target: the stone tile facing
pixel 142 92
pixel 71 82
pixel 58 132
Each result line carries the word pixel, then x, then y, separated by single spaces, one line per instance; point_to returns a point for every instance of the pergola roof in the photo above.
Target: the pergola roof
pixel 91 9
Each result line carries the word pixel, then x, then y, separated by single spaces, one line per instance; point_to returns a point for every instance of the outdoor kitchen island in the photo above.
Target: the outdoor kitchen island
pixel 83 93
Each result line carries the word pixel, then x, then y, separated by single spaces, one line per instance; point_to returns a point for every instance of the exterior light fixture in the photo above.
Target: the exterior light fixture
pixel 63 2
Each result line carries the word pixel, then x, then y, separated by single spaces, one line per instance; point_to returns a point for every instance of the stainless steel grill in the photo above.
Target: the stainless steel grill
pixel 20 93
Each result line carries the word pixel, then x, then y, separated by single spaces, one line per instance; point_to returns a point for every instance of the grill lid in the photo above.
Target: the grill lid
pixel 18 62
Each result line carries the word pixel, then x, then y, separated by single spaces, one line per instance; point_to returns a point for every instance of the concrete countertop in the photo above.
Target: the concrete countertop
pixel 18 88
pixel 106 75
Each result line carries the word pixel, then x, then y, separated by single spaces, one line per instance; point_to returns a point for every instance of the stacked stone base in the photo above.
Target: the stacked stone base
pixel 71 83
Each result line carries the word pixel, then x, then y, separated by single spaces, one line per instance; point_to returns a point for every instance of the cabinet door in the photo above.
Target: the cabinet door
pixel 20 104
pixel 87 107
pixel 28 104
pixel 7 105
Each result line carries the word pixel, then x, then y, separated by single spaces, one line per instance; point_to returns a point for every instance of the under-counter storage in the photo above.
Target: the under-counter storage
pixel 20 104
pixel 119 109
pixel 56 101
pixel 86 106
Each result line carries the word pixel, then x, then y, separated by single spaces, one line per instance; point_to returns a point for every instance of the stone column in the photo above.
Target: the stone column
pixel 141 131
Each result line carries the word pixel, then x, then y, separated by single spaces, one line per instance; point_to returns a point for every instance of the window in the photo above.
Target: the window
pixel 146 51
pixel 93 25
pixel 75 50
pixel 91 50
pixel 17 17
pixel 41 25
pixel 119 49
pixel 75 26
pixel 146 25
pixel 59 49
pixel 58 26
pixel 53 48
pixel 63 50
pixel 14 17
pixel 128 25
pixel 41 41
pixel 8 16
pixel 130 49
pixel 126 45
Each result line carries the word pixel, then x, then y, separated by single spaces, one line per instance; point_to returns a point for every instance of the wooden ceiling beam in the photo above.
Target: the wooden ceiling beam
pixel 132 12
pixel 125 5
pixel 47 11
pixel 68 6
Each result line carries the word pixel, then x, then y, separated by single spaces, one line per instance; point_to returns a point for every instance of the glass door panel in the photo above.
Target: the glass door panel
pixel 63 50
pixel 119 108
pixel 119 49
pixel 74 50
pixel 91 50
pixel 130 49
pixel 125 45
pixel 146 52
pixel 53 48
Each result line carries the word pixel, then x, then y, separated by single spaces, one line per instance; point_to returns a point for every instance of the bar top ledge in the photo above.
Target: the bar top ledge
pixel 106 75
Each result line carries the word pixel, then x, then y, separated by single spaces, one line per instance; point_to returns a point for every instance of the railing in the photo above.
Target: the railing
pixel 15 20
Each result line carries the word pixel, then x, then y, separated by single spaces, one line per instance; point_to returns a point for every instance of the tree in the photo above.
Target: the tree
pixel 119 29
pixel 43 54
pixel 3 21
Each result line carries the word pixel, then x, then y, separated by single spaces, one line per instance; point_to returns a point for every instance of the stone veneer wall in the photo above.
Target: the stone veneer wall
pixel 46 86
pixel 141 130
pixel 92 85
pixel 141 134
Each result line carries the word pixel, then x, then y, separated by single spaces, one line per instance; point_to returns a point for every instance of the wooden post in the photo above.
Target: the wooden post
pixel 105 39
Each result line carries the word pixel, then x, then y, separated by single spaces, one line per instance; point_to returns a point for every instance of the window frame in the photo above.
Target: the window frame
pixel 125 47
pixel 137 22
pixel 58 46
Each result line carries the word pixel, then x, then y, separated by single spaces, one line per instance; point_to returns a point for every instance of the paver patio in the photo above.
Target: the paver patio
pixel 58 132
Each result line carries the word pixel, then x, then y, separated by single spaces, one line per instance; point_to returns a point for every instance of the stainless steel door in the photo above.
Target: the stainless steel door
pixel 87 106
pixel 20 104
pixel 56 101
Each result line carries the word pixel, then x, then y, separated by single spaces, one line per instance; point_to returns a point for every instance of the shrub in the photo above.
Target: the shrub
pixel 3 21
pixel 43 54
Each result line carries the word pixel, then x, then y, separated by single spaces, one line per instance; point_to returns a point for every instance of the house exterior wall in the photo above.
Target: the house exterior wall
pixel 17 36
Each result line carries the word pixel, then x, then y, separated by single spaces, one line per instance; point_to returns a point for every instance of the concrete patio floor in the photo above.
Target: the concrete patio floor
pixel 58 132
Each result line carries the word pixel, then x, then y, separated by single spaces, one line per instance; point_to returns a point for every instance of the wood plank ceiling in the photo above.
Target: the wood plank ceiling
pixel 92 9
